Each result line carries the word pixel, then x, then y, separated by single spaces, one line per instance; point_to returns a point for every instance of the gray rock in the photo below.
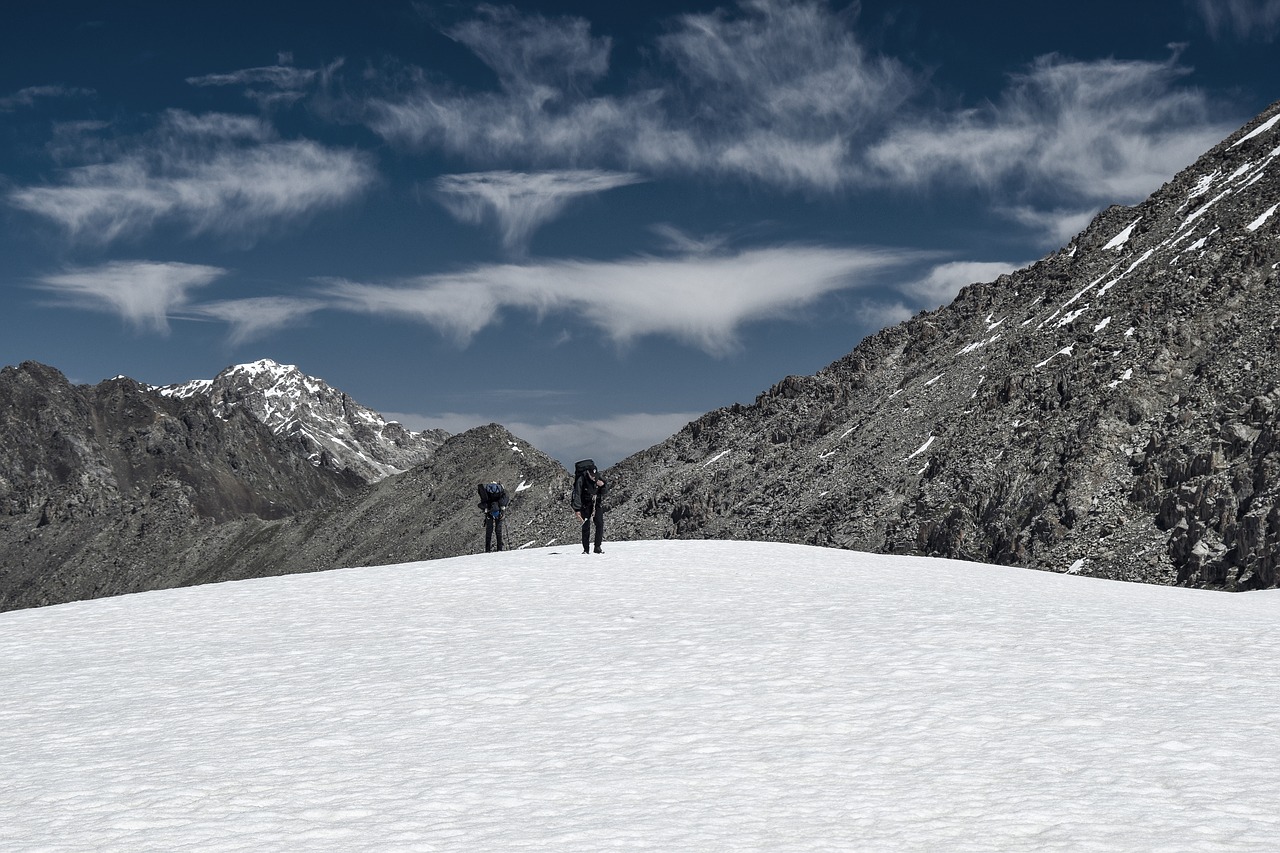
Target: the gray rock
pixel 1113 403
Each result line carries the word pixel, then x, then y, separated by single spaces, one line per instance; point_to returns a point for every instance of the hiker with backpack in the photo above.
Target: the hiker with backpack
pixel 588 502
pixel 493 500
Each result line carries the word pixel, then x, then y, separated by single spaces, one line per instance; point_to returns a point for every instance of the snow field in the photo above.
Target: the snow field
pixel 664 696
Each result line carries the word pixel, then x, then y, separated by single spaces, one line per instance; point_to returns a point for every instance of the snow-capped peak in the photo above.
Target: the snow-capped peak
pixel 324 424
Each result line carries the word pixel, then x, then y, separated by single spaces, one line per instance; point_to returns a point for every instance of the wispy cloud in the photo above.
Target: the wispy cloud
pixel 521 202
pixel 218 174
pixel 254 317
pixel 777 92
pixel 27 97
pixel 786 93
pixel 877 313
pixel 699 300
pixel 1242 20
pixel 681 242
pixel 1095 131
pixel 269 85
pixel 944 281
pixel 533 55
pixel 782 92
pixel 143 293
pixel 1057 225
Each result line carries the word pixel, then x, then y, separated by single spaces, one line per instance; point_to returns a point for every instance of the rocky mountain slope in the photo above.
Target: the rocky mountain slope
pixel 429 511
pixel 319 422
pixel 101 486
pixel 1112 410
pixel 117 488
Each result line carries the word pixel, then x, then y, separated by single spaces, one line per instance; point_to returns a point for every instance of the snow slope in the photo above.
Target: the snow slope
pixel 675 695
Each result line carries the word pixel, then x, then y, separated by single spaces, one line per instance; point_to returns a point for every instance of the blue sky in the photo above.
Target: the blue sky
pixel 588 223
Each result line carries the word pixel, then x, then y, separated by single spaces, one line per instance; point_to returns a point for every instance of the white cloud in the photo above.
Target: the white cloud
pixel 699 300
pixel 1104 131
pixel 270 85
pixel 219 174
pixel 27 97
pixel 533 55
pixel 786 93
pixel 944 281
pixel 254 317
pixel 606 440
pixel 796 69
pixel 144 293
pixel 276 76
pixel 1244 20
pixel 521 202
pixel 1057 225
pixel 683 243
pixel 877 315
pixel 776 93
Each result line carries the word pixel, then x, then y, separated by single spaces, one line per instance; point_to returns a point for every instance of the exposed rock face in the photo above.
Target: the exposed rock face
pixel 1112 410
pixel 102 487
pixel 319 422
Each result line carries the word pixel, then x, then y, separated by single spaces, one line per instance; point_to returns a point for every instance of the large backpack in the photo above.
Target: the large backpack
pixel 583 484
pixel 491 492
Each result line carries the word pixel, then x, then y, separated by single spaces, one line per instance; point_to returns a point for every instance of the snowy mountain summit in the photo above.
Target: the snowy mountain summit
pixel 320 422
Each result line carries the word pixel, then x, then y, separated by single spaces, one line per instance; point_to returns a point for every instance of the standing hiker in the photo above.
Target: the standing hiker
pixel 493 500
pixel 588 502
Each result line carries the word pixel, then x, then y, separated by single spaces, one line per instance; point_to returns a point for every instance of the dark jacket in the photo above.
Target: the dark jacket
pixel 585 491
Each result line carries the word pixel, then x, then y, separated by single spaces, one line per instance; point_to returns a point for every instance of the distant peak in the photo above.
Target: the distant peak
pixel 262 365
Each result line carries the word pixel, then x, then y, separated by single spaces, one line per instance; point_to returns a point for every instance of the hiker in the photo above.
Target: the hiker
pixel 588 502
pixel 493 500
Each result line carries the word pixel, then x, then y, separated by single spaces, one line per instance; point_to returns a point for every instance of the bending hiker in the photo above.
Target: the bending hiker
pixel 588 502
pixel 493 500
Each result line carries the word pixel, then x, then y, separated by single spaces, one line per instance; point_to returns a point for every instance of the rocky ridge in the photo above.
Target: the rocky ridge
pixel 1112 410
pixel 319 422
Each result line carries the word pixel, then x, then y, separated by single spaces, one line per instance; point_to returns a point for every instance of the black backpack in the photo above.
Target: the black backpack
pixel 491 492
pixel 583 477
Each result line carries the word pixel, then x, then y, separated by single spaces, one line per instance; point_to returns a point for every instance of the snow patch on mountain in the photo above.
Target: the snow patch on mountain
pixel 322 423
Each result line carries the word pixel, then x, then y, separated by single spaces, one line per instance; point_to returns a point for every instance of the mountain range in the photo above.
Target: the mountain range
pixel 1111 410
pixel 322 424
